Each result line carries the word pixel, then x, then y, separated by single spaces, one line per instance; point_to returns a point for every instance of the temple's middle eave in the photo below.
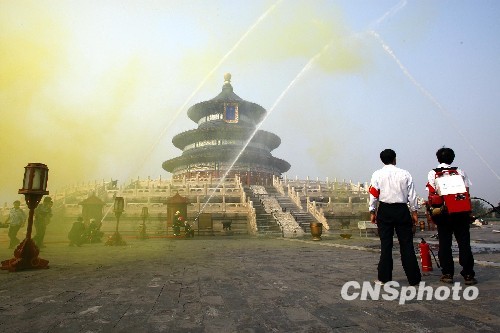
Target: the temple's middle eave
pixel 226 133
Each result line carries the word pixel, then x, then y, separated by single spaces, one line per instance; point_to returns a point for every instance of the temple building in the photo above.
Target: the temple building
pixel 225 182
pixel 227 142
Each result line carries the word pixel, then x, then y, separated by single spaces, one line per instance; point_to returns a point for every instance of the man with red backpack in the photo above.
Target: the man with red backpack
pixel 449 203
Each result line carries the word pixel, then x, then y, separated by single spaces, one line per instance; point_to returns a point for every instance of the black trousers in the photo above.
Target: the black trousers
pixel 457 224
pixel 397 217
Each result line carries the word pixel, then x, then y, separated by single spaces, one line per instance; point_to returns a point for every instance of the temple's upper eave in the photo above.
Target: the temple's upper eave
pixel 227 94
pixel 216 104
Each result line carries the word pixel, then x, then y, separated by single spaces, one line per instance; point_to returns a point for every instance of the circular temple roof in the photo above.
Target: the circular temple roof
pixel 216 104
pixel 215 128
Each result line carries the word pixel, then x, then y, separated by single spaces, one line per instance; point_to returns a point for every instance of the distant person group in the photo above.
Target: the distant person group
pixel 393 207
pixel 81 234
pixel 78 235
pixel 17 219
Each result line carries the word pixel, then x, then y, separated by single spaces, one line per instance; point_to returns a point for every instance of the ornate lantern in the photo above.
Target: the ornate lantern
pixel 34 188
pixel 116 238
pixel 118 205
pixel 34 183
pixel 144 216
pixel 144 212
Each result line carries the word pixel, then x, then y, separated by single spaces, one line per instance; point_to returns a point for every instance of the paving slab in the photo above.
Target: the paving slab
pixel 231 284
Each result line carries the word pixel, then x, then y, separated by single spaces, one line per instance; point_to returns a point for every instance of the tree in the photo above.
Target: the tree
pixel 478 208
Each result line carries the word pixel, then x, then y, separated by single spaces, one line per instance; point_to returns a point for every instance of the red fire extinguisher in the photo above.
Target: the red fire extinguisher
pixel 425 256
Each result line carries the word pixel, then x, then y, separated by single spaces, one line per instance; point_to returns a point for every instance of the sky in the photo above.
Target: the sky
pixel 97 89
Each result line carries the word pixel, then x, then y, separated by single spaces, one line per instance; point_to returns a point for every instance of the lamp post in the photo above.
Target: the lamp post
pixel 116 238
pixel 34 188
pixel 144 216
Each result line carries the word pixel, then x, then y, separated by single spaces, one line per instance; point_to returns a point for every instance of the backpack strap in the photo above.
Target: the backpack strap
pixel 441 171
pixel 445 169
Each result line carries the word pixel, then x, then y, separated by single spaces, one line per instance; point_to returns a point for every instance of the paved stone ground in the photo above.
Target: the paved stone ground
pixel 232 284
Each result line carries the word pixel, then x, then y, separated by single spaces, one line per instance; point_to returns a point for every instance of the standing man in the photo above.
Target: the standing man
pixel 391 190
pixel 43 213
pixel 17 217
pixel 449 224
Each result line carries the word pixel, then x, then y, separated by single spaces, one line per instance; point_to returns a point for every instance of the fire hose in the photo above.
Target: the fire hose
pixel 493 208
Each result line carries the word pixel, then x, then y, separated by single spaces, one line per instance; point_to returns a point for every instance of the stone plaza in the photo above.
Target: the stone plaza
pixel 234 284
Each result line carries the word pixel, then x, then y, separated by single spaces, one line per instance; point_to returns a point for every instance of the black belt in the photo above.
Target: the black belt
pixel 392 204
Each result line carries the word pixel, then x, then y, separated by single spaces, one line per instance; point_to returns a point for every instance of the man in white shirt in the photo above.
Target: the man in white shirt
pixel 16 217
pixel 449 224
pixel 391 190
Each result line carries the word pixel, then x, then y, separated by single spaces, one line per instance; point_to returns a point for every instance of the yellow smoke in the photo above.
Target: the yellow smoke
pixel 28 57
pixel 299 30
pixel 39 123
pixel 294 30
pixel 100 130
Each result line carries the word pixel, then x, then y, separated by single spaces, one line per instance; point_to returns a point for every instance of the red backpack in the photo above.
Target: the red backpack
pixel 450 194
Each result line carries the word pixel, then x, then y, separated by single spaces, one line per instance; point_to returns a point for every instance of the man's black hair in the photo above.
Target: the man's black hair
pixel 387 156
pixel 445 155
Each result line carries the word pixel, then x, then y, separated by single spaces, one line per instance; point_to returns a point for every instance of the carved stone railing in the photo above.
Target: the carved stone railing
pixel 278 185
pixel 295 196
pixel 252 219
pixel 318 213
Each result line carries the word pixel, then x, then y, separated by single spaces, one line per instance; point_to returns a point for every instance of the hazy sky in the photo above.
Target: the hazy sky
pixel 97 89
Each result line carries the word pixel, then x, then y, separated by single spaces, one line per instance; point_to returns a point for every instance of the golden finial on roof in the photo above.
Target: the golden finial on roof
pixel 227 78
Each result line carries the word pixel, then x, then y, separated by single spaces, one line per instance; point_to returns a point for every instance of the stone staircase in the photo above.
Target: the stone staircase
pixel 266 224
pixel 302 217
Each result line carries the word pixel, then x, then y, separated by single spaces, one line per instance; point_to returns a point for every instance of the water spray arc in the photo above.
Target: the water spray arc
pixel 205 79
pixel 431 98
pixel 285 91
pixel 278 100
pixel 391 12
pixel 198 88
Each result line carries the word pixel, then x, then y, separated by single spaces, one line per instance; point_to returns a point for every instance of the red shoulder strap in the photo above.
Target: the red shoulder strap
pixel 441 171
